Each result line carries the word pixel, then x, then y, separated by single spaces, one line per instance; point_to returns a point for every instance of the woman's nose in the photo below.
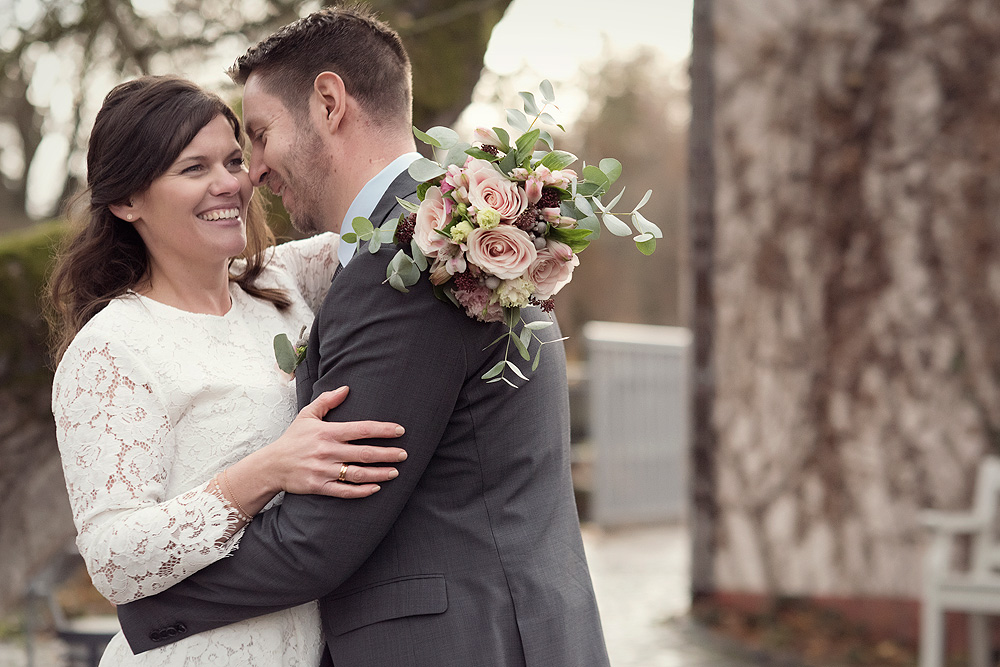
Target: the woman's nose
pixel 225 182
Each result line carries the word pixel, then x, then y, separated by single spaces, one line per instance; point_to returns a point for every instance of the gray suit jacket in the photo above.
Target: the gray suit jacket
pixel 472 556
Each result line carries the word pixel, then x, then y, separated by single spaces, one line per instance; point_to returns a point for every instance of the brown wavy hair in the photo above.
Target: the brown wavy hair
pixel 142 127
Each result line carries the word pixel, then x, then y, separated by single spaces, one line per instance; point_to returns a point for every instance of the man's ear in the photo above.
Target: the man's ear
pixel 331 97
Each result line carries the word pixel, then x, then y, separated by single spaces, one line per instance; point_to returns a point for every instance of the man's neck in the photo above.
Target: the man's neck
pixel 373 155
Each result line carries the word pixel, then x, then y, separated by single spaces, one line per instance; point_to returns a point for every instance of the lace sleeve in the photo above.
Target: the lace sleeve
pixel 116 444
pixel 311 263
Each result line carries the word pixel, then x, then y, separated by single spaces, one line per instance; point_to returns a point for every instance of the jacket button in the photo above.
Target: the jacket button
pixel 181 627
pixel 155 636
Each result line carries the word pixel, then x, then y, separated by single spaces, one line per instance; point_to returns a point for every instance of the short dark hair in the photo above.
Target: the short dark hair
pixel 348 40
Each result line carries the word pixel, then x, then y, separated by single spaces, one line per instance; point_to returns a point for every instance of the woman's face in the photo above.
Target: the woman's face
pixel 194 213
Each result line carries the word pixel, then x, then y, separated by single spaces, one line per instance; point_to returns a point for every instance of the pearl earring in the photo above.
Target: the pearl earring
pixel 128 217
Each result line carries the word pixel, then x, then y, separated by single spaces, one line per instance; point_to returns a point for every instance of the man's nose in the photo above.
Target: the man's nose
pixel 258 170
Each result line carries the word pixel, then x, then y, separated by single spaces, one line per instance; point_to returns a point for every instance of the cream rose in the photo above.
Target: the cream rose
pixel 432 215
pixel 493 190
pixel 552 269
pixel 505 251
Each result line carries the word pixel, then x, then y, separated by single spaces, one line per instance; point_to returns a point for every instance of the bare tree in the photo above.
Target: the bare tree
pixel 62 59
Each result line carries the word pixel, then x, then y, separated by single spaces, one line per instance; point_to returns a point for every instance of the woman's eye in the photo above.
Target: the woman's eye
pixel 236 163
pixel 192 169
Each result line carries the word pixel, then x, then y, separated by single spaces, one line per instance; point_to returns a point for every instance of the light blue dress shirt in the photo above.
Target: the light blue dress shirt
pixel 366 201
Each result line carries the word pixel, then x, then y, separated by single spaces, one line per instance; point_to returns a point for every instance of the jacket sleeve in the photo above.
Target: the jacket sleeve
pixel 404 358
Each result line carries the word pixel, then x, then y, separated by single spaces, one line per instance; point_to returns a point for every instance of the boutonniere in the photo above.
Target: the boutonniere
pixel 499 223
pixel 287 355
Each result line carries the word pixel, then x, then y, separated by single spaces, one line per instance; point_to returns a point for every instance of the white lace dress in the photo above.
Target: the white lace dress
pixel 150 403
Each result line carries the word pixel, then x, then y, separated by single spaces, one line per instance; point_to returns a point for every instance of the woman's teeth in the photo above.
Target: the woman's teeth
pixel 221 214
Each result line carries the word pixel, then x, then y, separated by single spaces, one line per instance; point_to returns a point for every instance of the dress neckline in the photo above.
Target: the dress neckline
pixel 167 308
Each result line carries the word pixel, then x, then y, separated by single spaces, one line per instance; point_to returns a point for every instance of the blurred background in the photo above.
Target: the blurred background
pixel 763 411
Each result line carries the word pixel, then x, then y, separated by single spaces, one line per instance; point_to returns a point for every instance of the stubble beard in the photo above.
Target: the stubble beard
pixel 309 190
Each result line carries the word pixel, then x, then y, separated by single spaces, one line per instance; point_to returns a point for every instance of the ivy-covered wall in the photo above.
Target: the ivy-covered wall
pixel 32 489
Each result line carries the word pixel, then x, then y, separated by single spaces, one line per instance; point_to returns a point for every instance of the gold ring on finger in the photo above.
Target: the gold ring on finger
pixel 343 473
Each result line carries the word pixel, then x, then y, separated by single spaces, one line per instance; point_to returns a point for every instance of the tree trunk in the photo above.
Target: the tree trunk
pixel 856 285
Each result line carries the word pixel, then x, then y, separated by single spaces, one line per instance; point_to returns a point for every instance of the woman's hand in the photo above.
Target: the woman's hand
pixel 313 456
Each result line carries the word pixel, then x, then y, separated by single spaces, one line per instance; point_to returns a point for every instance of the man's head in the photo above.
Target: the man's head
pixel 327 101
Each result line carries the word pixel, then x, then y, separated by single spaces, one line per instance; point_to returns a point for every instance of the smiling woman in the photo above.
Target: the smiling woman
pixel 191 220
pixel 174 424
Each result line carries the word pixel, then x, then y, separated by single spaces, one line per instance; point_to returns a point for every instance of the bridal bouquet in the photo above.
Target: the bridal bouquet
pixel 500 224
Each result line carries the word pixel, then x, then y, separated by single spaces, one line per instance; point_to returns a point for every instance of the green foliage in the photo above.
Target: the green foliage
pixel 25 261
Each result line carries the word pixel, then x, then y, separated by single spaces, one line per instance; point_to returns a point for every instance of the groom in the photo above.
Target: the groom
pixel 473 555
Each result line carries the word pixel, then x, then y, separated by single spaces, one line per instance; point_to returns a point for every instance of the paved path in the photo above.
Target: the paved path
pixel 641 581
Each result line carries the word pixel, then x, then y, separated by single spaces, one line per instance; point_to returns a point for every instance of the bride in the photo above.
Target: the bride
pixel 174 423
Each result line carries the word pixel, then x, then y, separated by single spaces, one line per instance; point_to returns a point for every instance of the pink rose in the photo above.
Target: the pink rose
pixel 496 192
pixel 479 304
pixel 505 251
pixel 434 214
pixel 552 269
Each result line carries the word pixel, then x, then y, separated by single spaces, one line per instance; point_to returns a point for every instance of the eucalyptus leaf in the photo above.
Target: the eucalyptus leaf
pixel 418 255
pixel 456 154
pixel 611 167
pixel 583 205
pixel 645 198
pixel 590 189
pixel 530 106
pixel 397 283
pixel 592 224
pixel 615 225
pixel 284 353
pixel 539 324
pixel 408 205
pixel 517 120
pixel 646 247
pixel 375 243
pixel 548 94
pixel 546 138
pixel 642 237
pixel 521 348
pixel 363 227
pixel 645 226
pixel 498 339
pixel 349 237
pixel 426 138
pixel 614 202
pixel 556 160
pixel 511 316
pixel 445 136
pixel 596 176
pixel 425 170
pixel 547 119
pixel 495 371
pixel 517 371
pixel 525 339
pixel 538 356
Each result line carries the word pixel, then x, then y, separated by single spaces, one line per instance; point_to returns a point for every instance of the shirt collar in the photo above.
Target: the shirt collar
pixel 366 200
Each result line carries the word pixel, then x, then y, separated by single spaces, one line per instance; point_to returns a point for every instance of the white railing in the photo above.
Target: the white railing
pixel 638 421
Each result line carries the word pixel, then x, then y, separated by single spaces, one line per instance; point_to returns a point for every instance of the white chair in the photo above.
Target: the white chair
pixel 975 589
